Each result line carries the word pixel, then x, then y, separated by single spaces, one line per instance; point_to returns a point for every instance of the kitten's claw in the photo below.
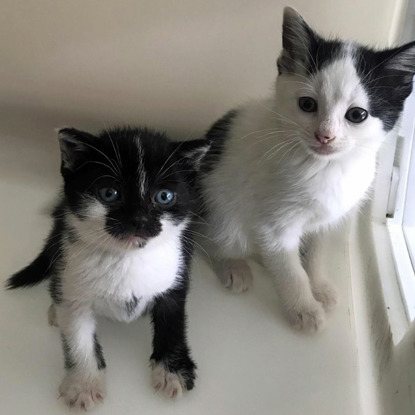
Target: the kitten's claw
pixel 236 275
pixel 308 318
pixel 326 294
pixel 82 392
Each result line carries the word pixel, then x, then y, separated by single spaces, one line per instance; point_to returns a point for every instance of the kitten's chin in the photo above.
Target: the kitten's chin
pixel 325 152
pixel 132 242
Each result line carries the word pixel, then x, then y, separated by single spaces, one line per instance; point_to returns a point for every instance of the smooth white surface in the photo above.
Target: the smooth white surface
pixel 250 360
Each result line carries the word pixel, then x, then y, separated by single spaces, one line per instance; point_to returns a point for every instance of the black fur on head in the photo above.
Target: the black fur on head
pixel 136 176
pixel 386 75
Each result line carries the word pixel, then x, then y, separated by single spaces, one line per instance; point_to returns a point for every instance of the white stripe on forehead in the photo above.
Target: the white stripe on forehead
pixel 338 83
pixel 141 172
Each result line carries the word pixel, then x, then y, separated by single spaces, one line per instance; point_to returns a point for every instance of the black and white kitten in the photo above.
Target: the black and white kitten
pixel 283 169
pixel 120 246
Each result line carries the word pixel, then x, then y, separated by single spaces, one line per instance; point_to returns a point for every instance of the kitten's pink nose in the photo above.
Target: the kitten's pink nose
pixel 324 137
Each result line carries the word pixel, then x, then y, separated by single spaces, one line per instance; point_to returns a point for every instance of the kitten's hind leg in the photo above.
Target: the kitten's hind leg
pixel 312 255
pixel 235 274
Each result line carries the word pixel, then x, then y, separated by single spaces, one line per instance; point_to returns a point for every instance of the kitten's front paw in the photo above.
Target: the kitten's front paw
pixel 308 317
pixel 236 275
pixel 172 384
pixel 326 294
pixel 82 392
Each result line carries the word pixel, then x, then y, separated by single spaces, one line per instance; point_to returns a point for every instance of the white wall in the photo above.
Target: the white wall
pixel 172 64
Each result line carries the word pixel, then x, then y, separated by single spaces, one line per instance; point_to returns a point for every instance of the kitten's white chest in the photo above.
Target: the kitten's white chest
pixel 135 281
pixel 120 285
pixel 337 189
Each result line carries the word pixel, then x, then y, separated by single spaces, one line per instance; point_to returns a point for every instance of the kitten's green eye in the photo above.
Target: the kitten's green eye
pixel 165 197
pixel 307 104
pixel 356 115
pixel 108 194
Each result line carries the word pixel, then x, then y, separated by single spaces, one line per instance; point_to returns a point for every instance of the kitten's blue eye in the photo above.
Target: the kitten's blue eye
pixel 307 104
pixel 165 197
pixel 356 115
pixel 108 194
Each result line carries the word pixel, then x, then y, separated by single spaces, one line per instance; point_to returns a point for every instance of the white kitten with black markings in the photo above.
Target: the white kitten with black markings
pixel 282 170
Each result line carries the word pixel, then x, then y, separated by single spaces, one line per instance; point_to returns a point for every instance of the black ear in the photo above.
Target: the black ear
pixel 74 145
pixel 401 58
pixel 387 76
pixel 193 152
pixel 398 65
pixel 297 41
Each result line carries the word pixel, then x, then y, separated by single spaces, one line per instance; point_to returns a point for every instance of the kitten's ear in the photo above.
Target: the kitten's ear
pixel 297 38
pixel 392 75
pixel 401 58
pixel 194 151
pixel 400 63
pixel 73 145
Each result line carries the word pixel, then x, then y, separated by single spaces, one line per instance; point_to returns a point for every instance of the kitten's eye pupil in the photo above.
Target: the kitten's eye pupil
pixel 356 115
pixel 307 104
pixel 164 197
pixel 108 194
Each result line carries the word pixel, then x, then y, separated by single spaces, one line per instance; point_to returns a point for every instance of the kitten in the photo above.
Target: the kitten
pixel 282 170
pixel 120 246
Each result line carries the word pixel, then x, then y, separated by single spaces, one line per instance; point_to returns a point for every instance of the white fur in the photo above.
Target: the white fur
pixel 270 188
pixel 82 392
pixel 141 171
pixel 168 383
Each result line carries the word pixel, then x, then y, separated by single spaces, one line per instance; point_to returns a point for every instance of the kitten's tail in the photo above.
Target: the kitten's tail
pixel 31 275
pixel 42 267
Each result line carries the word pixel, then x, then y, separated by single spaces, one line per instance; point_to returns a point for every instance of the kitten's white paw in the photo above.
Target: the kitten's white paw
pixel 52 319
pixel 308 317
pixel 168 383
pixel 236 275
pixel 82 392
pixel 326 294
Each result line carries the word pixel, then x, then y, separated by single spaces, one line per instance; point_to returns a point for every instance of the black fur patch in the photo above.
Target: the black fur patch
pixel 387 80
pixel 55 289
pixel 132 305
pixel 99 354
pixel 217 136
pixel 69 361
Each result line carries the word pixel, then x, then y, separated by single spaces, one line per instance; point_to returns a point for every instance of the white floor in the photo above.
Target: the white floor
pixel 250 361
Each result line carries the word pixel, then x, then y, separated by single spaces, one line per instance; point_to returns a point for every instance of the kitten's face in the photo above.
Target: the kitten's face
pixel 330 110
pixel 126 187
pixel 338 97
